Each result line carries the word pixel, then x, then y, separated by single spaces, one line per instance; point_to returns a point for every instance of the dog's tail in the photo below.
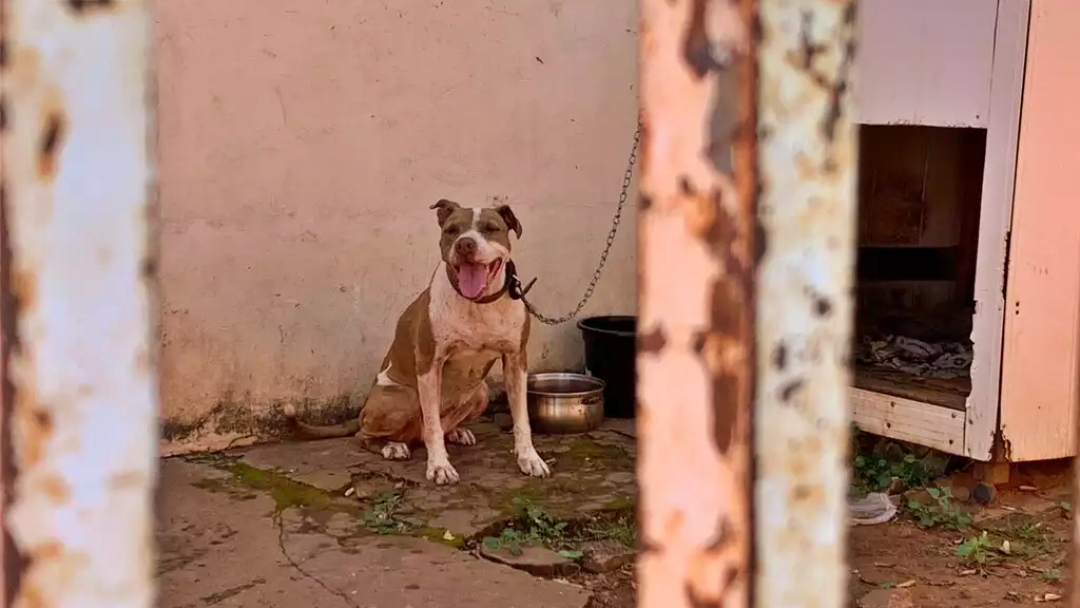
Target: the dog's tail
pixel 312 431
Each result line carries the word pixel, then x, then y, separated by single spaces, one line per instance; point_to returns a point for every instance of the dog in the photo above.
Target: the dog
pixel 433 379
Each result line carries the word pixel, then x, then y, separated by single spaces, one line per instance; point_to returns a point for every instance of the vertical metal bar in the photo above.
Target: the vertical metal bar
pixel 747 214
pixel 77 177
pixel 696 305
pixel 806 170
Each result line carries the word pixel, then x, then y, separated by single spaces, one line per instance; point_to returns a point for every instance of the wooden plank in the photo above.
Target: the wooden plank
pixel 924 62
pixel 949 393
pixel 1042 326
pixel 909 420
pixel 999 173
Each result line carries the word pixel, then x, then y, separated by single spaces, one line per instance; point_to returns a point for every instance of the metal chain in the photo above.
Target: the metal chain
pixel 607 248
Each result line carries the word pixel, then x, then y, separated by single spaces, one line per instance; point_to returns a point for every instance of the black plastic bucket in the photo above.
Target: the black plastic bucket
pixel 610 347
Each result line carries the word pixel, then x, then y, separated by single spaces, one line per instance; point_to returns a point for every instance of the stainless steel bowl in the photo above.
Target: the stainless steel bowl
pixel 563 403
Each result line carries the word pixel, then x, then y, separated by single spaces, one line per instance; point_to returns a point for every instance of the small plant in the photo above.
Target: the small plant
pixel 543 526
pixel 1030 531
pixel 509 539
pixel 535 528
pixel 382 517
pixel 619 529
pixel 1028 535
pixel 1052 575
pixel 940 511
pixel 977 550
pixel 876 473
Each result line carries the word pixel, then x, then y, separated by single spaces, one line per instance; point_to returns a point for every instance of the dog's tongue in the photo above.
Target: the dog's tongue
pixel 472 279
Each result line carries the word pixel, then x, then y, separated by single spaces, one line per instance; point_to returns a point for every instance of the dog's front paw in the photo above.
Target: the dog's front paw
pixel 441 472
pixel 394 450
pixel 531 464
pixel 461 437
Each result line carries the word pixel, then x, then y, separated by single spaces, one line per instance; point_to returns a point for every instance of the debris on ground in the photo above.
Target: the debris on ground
pixel 872 509
pixel 539 561
pixel 605 556
pixel 276 525
pixel 887 598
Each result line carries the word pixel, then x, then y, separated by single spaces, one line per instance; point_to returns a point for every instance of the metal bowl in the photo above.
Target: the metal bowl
pixel 563 403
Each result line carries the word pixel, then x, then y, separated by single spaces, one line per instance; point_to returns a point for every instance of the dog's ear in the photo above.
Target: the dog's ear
pixel 445 208
pixel 507 214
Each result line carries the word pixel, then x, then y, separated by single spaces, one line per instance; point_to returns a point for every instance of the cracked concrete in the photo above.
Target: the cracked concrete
pixel 290 524
pixel 592 472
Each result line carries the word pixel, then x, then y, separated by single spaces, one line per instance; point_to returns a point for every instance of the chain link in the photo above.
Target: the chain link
pixel 627 177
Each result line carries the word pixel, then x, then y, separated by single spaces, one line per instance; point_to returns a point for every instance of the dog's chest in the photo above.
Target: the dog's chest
pixel 475 331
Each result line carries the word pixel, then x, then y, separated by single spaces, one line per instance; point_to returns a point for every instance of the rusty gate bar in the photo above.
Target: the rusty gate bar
pixel 746 264
pixel 75 87
pixel 696 266
pixel 806 205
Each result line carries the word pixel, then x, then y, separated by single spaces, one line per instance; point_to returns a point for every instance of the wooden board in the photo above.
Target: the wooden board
pixel 925 62
pixel 947 393
pixel 1010 44
pixel 1040 385
pixel 909 420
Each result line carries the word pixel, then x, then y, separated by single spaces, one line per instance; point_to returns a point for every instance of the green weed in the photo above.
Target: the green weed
pixel 976 550
pixel 382 517
pixel 940 511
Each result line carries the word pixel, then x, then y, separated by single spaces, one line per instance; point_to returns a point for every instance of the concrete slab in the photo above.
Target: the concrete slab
pixel 223 545
pixel 590 473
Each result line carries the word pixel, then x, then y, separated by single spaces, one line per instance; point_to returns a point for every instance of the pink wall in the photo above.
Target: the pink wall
pixel 301 144
pixel 1042 325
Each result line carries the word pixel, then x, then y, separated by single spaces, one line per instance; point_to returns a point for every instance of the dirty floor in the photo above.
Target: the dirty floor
pixel 324 524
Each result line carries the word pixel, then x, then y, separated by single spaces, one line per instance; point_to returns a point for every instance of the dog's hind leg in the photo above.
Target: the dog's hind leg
pixel 390 421
pixel 477 404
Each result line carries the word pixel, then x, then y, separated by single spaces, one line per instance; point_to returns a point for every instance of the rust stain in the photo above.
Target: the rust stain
pixel 698 215
pixel 43 422
pixel 651 341
pixel 55 488
pixel 24 290
pixel 780 356
pixel 697 48
pixel 33 426
pixel 83 7
pixel 32 597
pixel 51 141
pixel 49 551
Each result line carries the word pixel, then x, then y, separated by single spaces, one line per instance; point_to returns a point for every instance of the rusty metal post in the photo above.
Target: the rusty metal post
pixel 746 262
pixel 806 173
pixel 696 304
pixel 79 303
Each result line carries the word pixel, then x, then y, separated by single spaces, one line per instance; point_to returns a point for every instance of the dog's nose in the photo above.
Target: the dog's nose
pixel 465 247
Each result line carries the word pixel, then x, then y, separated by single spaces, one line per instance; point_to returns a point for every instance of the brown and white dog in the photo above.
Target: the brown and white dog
pixel 445 344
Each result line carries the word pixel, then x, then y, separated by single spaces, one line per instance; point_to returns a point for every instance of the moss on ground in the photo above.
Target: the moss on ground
pixel 588 449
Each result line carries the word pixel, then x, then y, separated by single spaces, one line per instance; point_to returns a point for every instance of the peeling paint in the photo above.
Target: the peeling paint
pixel 696 265
pixel 806 166
pixel 80 386
pixel 746 268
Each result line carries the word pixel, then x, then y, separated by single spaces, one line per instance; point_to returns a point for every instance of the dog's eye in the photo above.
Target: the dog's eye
pixel 488 228
pixel 452 231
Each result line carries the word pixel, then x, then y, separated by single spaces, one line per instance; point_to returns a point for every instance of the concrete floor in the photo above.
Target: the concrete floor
pixel 325 524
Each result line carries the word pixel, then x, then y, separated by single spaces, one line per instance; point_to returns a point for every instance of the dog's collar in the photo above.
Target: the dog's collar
pixel 511 278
